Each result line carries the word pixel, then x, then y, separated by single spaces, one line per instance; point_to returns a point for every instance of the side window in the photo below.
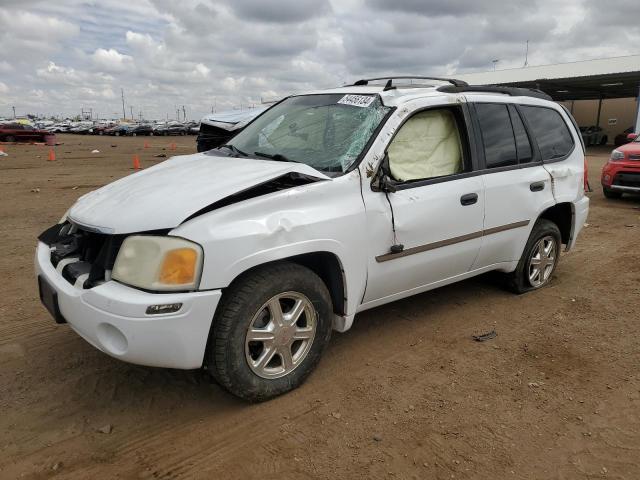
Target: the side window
pixel 427 146
pixel 549 130
pixel 523 146
pixel 497 135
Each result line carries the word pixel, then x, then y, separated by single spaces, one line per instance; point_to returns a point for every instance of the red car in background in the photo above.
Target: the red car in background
pixel 621 174
pixel 17 132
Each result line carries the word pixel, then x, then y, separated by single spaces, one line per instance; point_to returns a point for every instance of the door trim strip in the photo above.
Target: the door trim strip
pixel 450 241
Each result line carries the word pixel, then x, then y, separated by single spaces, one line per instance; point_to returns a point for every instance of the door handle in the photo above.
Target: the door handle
pixel 536 186
pixel 468 199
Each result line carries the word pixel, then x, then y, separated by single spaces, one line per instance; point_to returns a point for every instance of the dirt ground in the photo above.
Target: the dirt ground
pixel 405 394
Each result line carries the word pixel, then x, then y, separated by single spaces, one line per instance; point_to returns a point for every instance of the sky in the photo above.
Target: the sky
pixel 59 57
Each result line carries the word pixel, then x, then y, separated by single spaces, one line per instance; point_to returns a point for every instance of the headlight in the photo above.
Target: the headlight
pixel 617 155
pixel 158 263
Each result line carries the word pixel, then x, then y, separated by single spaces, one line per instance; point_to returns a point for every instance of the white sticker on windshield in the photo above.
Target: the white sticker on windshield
pixel 357 100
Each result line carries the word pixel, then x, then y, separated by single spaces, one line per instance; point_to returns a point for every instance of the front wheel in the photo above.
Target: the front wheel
pixel 539 259
pixel 269 331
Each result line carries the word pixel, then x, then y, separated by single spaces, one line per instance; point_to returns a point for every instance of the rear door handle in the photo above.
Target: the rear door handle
pixel 536 186
pixel 468 199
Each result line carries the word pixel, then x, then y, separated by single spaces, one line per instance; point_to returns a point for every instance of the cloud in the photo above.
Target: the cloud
pixel 284 11
pixel 111 60
pixel 59 57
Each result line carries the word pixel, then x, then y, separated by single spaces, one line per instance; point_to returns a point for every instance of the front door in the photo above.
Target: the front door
pixel 437 208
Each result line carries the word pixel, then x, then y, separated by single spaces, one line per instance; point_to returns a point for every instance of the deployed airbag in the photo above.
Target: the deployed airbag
pixel 427 146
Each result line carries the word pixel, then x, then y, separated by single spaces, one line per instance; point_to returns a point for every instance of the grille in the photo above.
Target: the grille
pixel 85 254
pixel 634 156
pixel 627 179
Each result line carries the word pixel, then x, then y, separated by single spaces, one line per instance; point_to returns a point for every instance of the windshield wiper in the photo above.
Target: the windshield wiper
pixel 235 150
pixel 278 157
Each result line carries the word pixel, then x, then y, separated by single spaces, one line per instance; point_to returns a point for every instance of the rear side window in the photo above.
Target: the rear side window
pixel 549 130
pixel 497 135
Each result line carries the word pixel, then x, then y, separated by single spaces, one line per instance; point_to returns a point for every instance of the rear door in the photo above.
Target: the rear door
pixel 559 148
pixel 517 187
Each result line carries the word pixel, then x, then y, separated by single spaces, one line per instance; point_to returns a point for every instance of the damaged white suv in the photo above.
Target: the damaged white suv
pixel 244 258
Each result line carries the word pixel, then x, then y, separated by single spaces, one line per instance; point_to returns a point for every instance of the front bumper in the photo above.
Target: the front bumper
pixel 112 317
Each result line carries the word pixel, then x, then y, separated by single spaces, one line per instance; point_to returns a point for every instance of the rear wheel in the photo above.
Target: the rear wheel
pixel 269 331
pixel 608 193
pixel 539 259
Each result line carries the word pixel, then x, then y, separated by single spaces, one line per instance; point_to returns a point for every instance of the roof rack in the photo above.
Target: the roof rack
pixel 512 91
pixel 389 85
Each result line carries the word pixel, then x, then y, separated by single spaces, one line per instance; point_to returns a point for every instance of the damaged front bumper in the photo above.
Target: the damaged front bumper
pixel 113 317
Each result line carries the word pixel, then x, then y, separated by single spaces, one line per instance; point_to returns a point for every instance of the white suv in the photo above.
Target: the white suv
pixel 244 258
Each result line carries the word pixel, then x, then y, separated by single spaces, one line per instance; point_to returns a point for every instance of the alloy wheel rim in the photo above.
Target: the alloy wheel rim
pixel 542 261
pixel 280 335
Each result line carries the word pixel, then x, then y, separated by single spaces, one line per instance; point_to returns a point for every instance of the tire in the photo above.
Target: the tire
pixel 604 140
pixel 608 193
pixel 9 139
pixel 248 303
pixel 544 232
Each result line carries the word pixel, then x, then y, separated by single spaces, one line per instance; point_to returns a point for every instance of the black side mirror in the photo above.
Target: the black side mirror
pixel 382 181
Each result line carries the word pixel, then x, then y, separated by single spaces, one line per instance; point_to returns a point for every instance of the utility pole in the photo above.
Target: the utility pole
pixel 526 55
pixel 495 62
pixel 131 109
pixel 14 112
pixel 184 113
pixel 124 114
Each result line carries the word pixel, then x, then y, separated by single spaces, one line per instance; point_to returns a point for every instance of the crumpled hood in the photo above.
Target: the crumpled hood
pixel 163 196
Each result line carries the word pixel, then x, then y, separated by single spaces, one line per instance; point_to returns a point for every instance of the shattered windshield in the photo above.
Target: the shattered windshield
pixel 327 132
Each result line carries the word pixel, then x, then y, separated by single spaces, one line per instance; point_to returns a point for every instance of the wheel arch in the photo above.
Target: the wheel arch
pixel 562 214
pixel 326 265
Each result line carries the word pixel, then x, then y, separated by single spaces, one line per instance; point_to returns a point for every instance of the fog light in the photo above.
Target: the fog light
pixel 160 309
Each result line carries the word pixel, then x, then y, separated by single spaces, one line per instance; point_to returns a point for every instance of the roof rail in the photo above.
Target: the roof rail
pixel 389 85
pixel 513 91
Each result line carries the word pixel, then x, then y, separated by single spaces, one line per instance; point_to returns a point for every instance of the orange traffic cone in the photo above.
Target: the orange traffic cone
pixel 146 144
pixel 136 162
pixel 52 155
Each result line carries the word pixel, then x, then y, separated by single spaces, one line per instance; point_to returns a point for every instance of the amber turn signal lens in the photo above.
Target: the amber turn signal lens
pixel 179 267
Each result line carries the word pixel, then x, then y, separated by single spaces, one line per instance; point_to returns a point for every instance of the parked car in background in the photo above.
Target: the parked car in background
pixel 141 129
pixel 59 128
pixel 623 138
pixel 217 128
pixel 82 129
pixel 174 128
pixel 100 129
pixel 593 136
pixel 621 174
pixel 18 132
pixel 118 130
pixel 244 258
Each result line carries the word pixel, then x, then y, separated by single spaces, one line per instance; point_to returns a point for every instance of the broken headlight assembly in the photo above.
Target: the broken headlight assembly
pixel 159 263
